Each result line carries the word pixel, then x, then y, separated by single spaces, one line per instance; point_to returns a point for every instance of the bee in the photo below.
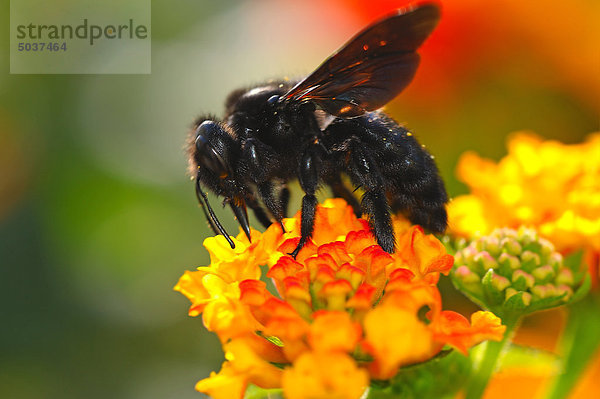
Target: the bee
pixel 326 130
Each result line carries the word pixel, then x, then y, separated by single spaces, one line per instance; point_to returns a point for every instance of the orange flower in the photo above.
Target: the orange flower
pixel 455 329
pixel 324 375
pixel 334 331
pixel 395 337
pixel 342 296
pixel 424 255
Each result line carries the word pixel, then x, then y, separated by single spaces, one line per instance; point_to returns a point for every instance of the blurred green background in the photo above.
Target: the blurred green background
pixel 97 216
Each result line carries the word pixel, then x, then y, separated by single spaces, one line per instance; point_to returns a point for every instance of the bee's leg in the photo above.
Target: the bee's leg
pixel 375 207
pixel 364 172
pixel 284 199
pixel 265 190
pixel 259 212
pixel 259 155
pixel 339 189
pixel 309 179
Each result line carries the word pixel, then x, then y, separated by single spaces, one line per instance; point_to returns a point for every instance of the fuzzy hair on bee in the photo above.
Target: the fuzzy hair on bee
pixel 325 131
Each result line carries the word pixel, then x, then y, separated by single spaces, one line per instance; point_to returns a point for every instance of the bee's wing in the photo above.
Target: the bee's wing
pixel 372 67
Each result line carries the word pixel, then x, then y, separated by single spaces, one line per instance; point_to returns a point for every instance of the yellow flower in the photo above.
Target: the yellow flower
pixel 224 385
pixel 343 298
pixel 218 302
pixel 235 264
pixel 244 365
pixel 544 184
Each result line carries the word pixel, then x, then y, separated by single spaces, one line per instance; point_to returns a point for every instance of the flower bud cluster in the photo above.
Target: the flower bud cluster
pixel 513 270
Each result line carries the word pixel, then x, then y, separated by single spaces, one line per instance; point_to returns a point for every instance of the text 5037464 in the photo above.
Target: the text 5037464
pixel 42 46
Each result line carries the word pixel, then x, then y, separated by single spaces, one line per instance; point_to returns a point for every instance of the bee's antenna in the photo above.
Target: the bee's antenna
pixel 215 225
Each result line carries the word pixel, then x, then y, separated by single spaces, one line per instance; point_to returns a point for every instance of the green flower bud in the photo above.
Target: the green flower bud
pixel 499 282
pixel 514 272
pixel 511 246
pixel 544 291
pixel 543 274
pixel 546 248
pixel 527 236
pixel 485 260
pixel 565 277
pixel 508 264
pixel 566 290
pixel 522 280
pixel 555 260
pixel 494 286
pixel 491 245
pixel 505 232
pixel 529 261
pixel 466 275
pixel 467 256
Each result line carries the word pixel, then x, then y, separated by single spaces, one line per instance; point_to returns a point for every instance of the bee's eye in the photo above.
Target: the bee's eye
pixel 209 147
pixel 273 99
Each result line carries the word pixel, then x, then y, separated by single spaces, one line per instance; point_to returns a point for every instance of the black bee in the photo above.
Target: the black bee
pixel 322 128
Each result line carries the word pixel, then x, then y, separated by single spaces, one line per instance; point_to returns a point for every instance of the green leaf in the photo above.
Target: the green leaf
pixel 271 338
pixel 254 392
pixel 583 290
pixel 515 304
pixel 546 303
pixel 493 295
pixel 440 377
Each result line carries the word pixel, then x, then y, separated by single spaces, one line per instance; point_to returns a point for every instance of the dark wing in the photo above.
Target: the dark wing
pixel 372 67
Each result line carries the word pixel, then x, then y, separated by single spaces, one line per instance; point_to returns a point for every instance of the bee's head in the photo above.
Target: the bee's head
pixel 213 151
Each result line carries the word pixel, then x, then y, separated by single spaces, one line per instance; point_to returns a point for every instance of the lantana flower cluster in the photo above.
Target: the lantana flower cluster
pixel 538 205
pixel 543 184
pixel 341 314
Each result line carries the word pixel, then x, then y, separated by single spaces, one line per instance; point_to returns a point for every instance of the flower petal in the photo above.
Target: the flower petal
pixel 324 375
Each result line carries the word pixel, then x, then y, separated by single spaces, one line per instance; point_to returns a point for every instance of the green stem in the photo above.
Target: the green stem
pixel 481 375
pixel 579 343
